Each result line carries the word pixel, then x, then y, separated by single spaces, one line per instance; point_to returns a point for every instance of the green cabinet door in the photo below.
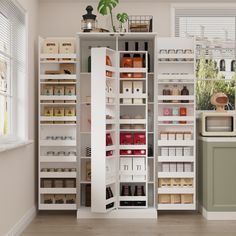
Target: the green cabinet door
pixel 217 175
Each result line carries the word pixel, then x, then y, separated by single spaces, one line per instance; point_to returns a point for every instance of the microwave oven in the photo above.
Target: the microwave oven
pixel 218 123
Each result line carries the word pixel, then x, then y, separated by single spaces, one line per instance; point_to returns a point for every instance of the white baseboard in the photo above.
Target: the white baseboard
pixel 20 226
pixel 216 215
pixel 149 213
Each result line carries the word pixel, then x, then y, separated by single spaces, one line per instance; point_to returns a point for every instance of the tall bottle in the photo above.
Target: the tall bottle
pixel 89 59
pixel 137 62
pixel 175 92
pixel 127 61
pixel 185 91
pixel 148 57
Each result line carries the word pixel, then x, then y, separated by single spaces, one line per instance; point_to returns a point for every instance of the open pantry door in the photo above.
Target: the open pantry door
pixel 103 130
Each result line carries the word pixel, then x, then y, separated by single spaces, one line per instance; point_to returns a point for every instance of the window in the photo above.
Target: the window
pixel 12 66
pixel 215 38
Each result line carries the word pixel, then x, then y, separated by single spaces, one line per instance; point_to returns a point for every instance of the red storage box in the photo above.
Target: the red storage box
pixel 126 138
pixel 109 153
pixel 139 152
pixel 126 152
pixel 109 140
pixel 140 138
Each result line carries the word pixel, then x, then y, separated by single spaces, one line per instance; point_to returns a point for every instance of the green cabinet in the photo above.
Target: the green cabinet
pixel 217 173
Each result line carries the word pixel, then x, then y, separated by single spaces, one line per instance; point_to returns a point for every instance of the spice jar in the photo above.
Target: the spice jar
pixel 183 112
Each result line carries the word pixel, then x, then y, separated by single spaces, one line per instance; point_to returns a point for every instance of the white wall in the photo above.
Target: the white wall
pixel 63 17
pixel 18 167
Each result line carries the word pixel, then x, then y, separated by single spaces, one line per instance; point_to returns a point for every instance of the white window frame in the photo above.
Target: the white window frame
pixel 19 134
pixel 199 6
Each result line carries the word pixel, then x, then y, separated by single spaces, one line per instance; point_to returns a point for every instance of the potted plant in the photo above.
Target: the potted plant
pixel 122 18
pixel 105 7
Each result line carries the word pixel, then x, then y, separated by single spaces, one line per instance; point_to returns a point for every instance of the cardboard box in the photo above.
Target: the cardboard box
pixel 48 198
pixel 138 90
pixel 139 152
pixel 188 167
pixel 171 136
pixel 179 151
pixel 140 138
pixel 59 90
pixel 126 169
pixel 67 46
pixel 126 138
pixel 186 198
pixel 127 90
pixel 164 135
pixel 47 183
pixel 70 199
pixel 164 183
pixel 187 182
pixel 176 183
pixel 165 167
pixel 108 139
pixel 164 151
pixel 69 111
pixel 70 183
pixel 187 151
pixel 50 46
pixel 164 199
pixel 126 152
pixel 59 111
pixel 172 151
pixel 48 111
pixel 173 167
pixel 180 167
pixel 47 90
pixel 58 183
pixel 70 90
pixel 59 199
pixel 175 199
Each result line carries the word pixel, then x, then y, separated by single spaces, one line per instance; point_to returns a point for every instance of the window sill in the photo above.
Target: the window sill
pixel 10 144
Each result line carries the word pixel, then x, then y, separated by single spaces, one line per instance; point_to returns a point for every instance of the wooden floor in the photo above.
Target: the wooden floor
pixel 167 224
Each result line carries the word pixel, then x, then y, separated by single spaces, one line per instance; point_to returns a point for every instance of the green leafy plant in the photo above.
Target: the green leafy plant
pixel 122 18
pixel 105 7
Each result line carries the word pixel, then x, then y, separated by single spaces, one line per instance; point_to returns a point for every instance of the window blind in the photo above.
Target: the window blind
pixel 12 61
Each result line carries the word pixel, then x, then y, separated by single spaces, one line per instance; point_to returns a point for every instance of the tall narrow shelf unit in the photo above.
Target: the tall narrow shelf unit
pixel 108 116
pixel 176 124
pixel 57 125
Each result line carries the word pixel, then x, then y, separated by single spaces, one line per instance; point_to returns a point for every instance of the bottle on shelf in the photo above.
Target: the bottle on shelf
pixel 137 62
pixel 175 92
pixel 183 112
pixel 166 92
pixel 148 57
pixel 184 91
pixel 127 62
pixel 89 60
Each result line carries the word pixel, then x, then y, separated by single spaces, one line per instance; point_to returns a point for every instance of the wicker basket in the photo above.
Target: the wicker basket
pixel 140 23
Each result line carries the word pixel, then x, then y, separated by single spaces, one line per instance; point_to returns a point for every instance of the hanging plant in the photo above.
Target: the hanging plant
pixel 105 7
pixel 122 18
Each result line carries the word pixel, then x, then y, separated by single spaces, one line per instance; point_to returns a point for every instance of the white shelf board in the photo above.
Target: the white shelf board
pixel 178 77
pixel 132 207
pixel 110 121
pixel 110 95
pixel 56 143
pixel 176 142
pixel 188 124
pixel 111 180
pixel 56 82
pixel 59 76
pixel 57 174
pixel 132 121
pixel 58 118
pixel 133 181
pixel 110 148
pixel 87 158
pixel 110 68
pixel 58 125
pixel 132 70
pixel 172 97
pixel 57 55
pixel 57 190
pixel 58 61
pixel 174 190
pixel 176 207
pixel 110 200
pixel 175 118
pixel 132 198
pixel 176 174
pixel 58 158
pixel 132 79
pixel 133 147
pixel 175 56
pixel 42 97
pixel 57 206
pixel 176 159
pixel 132 130
pixel 176 62
pixel 136 173
pixel 132 95
pixel 133 156
pixel 176 103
